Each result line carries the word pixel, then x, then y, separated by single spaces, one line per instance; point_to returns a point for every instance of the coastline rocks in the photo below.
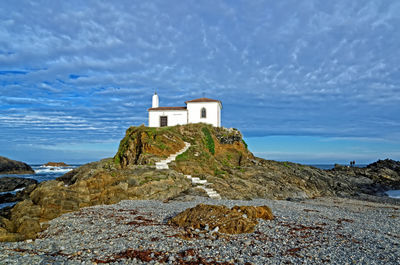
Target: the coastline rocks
pixel 228 167
pixel 55 164
pixel 219 218
pixel 375 178
pixel 8 166
pixel 13 183
pixel 93 184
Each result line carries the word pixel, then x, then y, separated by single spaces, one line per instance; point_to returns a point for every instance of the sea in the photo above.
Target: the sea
pixel 43 173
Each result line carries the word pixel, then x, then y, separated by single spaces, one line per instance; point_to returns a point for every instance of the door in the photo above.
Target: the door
pixel 163 121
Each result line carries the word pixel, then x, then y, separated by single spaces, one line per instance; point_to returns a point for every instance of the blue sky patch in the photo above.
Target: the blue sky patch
pixel 290 74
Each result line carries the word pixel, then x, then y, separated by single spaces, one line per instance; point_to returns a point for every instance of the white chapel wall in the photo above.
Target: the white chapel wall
pixel 175 117
pixel 213 113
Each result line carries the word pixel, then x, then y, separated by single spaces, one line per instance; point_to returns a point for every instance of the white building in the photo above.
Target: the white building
pixel 197 110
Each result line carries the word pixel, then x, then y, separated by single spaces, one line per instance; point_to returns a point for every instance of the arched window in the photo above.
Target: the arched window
pixel 203 113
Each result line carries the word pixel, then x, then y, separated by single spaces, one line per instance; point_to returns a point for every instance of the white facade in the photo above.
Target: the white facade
pixel 174 117
pixel 198 110
pixel 213 113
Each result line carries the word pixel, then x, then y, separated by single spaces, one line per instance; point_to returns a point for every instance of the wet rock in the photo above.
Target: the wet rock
pixel 13 183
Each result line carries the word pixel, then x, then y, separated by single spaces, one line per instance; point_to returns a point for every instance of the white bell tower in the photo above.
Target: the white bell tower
pixel 155 103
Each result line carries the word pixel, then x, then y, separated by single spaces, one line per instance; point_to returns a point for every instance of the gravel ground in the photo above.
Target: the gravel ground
pixel 323 230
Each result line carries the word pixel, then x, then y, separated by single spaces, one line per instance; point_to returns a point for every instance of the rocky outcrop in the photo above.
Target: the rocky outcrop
pixel 9 184
pixel 93 184
pixel 217 156
pixel 227 136
pixel 375 178
pixel 55 164
pixel 13 183
pixel 143 145
pixel 8 166
pixel 219 218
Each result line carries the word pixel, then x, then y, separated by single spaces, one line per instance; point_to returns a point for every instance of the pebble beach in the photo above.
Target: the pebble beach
pixel 318 231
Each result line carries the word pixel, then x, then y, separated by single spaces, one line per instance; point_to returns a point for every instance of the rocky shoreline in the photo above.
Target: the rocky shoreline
pixel 9 166
pixel 327 230
pixel 217 157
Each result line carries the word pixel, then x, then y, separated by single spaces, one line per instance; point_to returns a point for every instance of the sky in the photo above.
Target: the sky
pixel 311 81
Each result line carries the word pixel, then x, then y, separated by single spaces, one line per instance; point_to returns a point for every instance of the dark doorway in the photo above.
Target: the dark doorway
pixel 163 121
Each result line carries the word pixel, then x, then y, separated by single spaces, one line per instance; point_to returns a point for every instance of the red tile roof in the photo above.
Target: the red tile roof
pixel 202 100
pixel 168 108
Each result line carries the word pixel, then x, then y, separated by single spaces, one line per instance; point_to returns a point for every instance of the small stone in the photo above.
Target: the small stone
pixel 215 229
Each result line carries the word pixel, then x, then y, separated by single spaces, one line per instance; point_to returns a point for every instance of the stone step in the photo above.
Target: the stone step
pixel 216 196
pixel 163 164
pixel 200 181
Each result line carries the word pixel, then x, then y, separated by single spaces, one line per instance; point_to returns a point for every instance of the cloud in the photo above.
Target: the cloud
pixel 280 68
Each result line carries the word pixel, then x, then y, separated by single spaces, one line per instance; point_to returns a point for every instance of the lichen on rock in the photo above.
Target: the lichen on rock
pixel 143 145
pixel 237 220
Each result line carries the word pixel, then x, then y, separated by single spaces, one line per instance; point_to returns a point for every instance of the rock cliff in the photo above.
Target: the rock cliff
pixel 8 166
pixel 217 155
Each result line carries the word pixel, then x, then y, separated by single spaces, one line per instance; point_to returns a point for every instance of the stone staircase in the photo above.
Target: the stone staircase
pixel 163 164
pixel 202 184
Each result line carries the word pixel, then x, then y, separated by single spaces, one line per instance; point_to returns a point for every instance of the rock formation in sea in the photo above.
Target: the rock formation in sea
pixel 8 166
pixel 216 157
pixel 55 164
pixel 13 183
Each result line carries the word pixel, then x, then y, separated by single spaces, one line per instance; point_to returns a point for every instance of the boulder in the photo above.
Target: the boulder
pixel 238 220
pixel 7 197
pixel 13 183
pixel 8 166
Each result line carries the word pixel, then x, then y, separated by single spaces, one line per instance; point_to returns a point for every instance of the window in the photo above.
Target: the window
pixel 203 113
